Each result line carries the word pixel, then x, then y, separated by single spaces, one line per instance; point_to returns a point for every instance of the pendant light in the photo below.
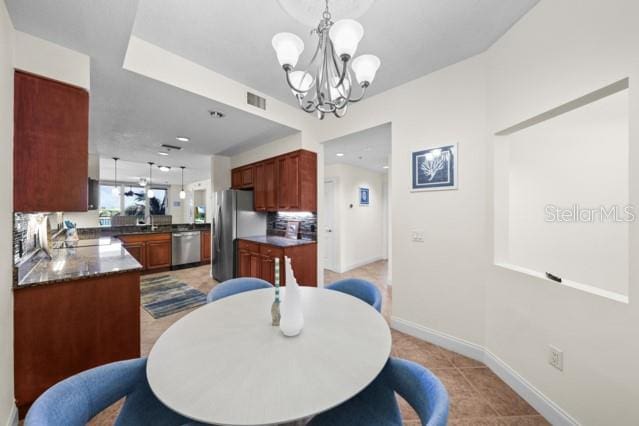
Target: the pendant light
pixel 182 193
pixel 150 192
pixel 116 188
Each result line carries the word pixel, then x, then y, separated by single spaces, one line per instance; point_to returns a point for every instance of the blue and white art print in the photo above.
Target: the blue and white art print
pixel 364 197
pixel 434 168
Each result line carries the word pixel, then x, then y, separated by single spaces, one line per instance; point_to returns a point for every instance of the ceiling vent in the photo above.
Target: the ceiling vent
pixel 170 147
pixel 256 101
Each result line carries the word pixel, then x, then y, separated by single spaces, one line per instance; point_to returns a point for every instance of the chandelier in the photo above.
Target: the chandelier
pixel 326 84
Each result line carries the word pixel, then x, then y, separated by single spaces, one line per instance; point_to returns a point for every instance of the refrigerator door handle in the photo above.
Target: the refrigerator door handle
pixel 218 231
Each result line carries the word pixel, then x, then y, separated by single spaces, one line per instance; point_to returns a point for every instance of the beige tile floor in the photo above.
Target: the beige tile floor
pixel 477 396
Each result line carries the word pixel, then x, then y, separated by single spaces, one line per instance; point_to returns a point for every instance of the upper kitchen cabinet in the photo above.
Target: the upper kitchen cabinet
pixel 297 181
pixel 51 135
pixel 284 183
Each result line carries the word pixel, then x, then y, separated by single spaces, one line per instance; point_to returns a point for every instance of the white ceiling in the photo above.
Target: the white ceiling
pixel 411 37
pixel 369 149
pixel 132 171
pixel 131 115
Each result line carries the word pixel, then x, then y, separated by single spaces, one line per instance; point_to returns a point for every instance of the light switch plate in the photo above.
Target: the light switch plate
pixel 417 236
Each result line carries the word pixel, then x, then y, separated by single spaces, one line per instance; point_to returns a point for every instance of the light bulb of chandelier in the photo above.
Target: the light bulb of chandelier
pixel 301 80
pixel 365 67
pixel 346 35
pixel 182 195
pixel 150 193
pixel 288 48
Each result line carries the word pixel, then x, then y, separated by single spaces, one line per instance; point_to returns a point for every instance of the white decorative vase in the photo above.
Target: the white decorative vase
pixel 292 320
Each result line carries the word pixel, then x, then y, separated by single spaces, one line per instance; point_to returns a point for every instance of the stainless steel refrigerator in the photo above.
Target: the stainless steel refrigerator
pixel 234 218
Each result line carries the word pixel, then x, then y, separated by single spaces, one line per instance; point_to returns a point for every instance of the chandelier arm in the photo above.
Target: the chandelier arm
pixel 364 87
pixel 287 70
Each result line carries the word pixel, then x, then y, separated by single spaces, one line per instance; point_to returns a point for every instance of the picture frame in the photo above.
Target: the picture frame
pixel 364 196
pixel 434 168
pixel 292 229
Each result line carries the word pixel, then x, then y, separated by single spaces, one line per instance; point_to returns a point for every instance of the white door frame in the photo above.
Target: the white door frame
pixel 335 246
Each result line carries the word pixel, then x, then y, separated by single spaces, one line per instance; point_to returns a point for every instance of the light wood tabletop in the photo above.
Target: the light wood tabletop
pixel 225 363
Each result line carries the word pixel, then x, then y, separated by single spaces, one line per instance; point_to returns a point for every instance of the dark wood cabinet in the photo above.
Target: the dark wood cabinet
pixel 242 177
pixel 205 246
pixel 289 197
pixel 153 251
pixel 284 183
pixel 137 250
pixel 158 254
pixel 258 261
pixel 51 145
pixel 64 328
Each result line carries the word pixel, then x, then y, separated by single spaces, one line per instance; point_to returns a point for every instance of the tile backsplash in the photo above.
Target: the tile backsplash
pixel 276 224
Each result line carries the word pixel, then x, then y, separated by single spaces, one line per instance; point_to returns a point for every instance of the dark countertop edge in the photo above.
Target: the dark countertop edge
pixel 75 278
pixel 293 243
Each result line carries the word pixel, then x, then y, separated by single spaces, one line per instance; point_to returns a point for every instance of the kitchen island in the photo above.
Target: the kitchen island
pixel 73 311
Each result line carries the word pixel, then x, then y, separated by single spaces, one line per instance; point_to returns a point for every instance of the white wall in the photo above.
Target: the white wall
pixel 560 51
pixel 177 213
pixel 272 149
pixel 7 405
pixel 44 58
pixel 577 159
pixel 360 228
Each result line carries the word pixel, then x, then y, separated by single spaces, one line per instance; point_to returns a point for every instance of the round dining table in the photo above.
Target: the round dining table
pixel 225 364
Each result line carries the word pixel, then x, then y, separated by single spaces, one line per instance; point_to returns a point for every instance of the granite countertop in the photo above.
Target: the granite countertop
pixel 93 258
pixel 278 241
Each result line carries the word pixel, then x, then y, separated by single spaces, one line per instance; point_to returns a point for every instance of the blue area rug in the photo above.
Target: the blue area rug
pixel 164 295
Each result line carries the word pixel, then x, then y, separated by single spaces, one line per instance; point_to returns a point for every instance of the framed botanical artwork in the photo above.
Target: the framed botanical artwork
pixel 434 169
pixel 364 197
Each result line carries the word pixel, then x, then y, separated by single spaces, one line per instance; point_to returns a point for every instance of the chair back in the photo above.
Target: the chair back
pixel 362 289
pixel 420 388
pixel 235 286
pixel 79 398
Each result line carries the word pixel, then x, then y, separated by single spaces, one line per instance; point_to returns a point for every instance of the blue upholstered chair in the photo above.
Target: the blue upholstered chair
pixel 377 406
pixel 235 286
pixel 361 289
pixel 74 401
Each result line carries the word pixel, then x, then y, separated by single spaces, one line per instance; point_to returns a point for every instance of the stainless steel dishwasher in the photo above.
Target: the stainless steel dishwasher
pixel 186 247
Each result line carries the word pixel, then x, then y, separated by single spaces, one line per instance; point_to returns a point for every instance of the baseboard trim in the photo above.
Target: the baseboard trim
pixel 359 264
pixel 12 420
pixel 544 405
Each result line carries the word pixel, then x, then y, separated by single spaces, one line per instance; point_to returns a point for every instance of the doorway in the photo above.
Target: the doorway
pixel 331 233
pixel 357 209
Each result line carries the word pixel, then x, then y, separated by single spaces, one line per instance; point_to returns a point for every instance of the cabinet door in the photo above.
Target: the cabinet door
pixel 259 195
pixel 244 269
pixel 269 174
pixel 137 250
pixel 288 182
pixel 255 266
pixel 205 248
pixel 236 179
pixel 158 254
pixel 247 177
pixel 51 145
pixel 268 269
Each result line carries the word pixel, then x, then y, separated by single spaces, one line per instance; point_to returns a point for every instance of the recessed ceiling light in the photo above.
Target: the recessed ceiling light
pixel 183 138
pixel 340 154
pixel 385 167
pixel 164 168
pixel 163 153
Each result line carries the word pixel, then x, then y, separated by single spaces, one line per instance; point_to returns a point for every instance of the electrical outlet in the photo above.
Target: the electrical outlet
pixel 417 236
pixel 556 358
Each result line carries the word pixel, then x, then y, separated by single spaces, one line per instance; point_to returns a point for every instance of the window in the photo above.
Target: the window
pixel 109 204
pixel 157 204
pixel 135 202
